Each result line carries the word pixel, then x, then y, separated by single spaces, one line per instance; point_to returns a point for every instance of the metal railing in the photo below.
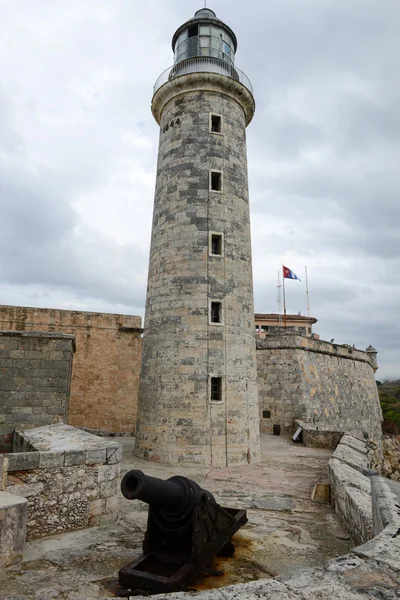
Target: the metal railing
pixel 203 65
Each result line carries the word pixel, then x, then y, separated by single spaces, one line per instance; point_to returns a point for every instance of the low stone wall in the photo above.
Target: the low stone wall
pixel 69 477
pixel 349 475
pixel 319 438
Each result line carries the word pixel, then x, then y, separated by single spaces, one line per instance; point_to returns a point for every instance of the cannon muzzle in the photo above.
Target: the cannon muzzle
pixel 174 498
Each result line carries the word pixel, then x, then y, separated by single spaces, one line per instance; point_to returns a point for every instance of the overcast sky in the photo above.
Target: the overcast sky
pixel 78 150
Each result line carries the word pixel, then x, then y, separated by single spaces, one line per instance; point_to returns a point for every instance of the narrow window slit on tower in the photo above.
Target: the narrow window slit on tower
pixel 216 124
pixel 216 181
pixel 216 312
pixel 216 244
pixel 216 389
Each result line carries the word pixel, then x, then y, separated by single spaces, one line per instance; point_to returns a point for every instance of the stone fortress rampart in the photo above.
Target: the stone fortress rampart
pixel 106 365
pixel 326 386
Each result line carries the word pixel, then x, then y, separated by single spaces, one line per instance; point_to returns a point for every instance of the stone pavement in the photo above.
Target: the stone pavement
pixel 286 532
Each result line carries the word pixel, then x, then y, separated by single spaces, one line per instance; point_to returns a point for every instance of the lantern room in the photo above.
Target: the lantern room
pixel 204 36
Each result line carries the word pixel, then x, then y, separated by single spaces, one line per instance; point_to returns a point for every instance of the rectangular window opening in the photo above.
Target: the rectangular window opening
pixel 216 389
pixel 266 414
pixel 216 124
pixel 216 312
pixel 216 181
pixel 193 31
pixel 216 244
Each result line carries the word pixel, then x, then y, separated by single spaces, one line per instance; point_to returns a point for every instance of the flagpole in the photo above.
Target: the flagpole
pixel 284 298
pixel 307 296
pixel 279 296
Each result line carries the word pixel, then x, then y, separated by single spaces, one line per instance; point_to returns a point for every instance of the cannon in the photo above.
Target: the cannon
pixel 186 529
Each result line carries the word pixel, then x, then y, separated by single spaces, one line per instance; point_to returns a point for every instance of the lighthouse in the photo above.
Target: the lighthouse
pixel 198 400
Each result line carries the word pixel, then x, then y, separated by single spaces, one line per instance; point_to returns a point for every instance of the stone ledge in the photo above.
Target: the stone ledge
pixel 203 81
pixel 39 334
pixel 289 341
pixel 351 491
pixel 353 457
pixel 385 546
pixel 354 443
pixel 60 445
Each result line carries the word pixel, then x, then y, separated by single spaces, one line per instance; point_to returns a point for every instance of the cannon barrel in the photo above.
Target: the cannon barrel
pixel 175 497
pixel 135 485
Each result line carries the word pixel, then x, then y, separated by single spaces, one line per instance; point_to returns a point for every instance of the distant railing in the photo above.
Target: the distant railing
pixel 203 65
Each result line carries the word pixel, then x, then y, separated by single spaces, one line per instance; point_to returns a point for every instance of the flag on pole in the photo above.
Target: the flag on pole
pixel 288 274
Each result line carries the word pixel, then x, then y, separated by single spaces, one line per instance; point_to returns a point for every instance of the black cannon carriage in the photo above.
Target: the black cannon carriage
pixel 186 529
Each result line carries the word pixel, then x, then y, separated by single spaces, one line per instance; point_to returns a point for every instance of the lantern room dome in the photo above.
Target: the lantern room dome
pixel 205 12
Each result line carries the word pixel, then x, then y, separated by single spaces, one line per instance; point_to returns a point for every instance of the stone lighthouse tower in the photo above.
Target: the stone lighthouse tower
pixel 198 392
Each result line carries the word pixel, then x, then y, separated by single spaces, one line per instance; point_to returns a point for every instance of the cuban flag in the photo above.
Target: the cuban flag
pixel 288 274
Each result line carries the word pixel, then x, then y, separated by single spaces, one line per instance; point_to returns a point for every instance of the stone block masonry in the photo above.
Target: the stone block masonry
pixel 69 477
pixel 350 475
pixel 105 372
pixel 35 379
pixel 12 528
pixel 186 348
pixel 327 386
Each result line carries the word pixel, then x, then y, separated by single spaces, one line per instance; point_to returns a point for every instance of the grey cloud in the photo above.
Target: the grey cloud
pixel 78 150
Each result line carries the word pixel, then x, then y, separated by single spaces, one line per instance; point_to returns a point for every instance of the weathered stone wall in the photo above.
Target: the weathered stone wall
pixel 105 374
pixel 182 349
pixel 12 528
pixel 35 378
pixel 70 478
pixel 328 386
pixel 350 478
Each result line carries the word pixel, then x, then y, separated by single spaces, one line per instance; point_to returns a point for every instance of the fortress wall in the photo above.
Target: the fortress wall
pixel 327 386
pixel 106 366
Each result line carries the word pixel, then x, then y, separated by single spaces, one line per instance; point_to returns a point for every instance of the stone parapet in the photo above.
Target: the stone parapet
pixel 349 475
pixel 69 477
pixel 329 387
pixel 203 82
pixel 289 341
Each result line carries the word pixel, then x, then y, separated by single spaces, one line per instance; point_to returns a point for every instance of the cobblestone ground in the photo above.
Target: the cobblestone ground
pixel 285 531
